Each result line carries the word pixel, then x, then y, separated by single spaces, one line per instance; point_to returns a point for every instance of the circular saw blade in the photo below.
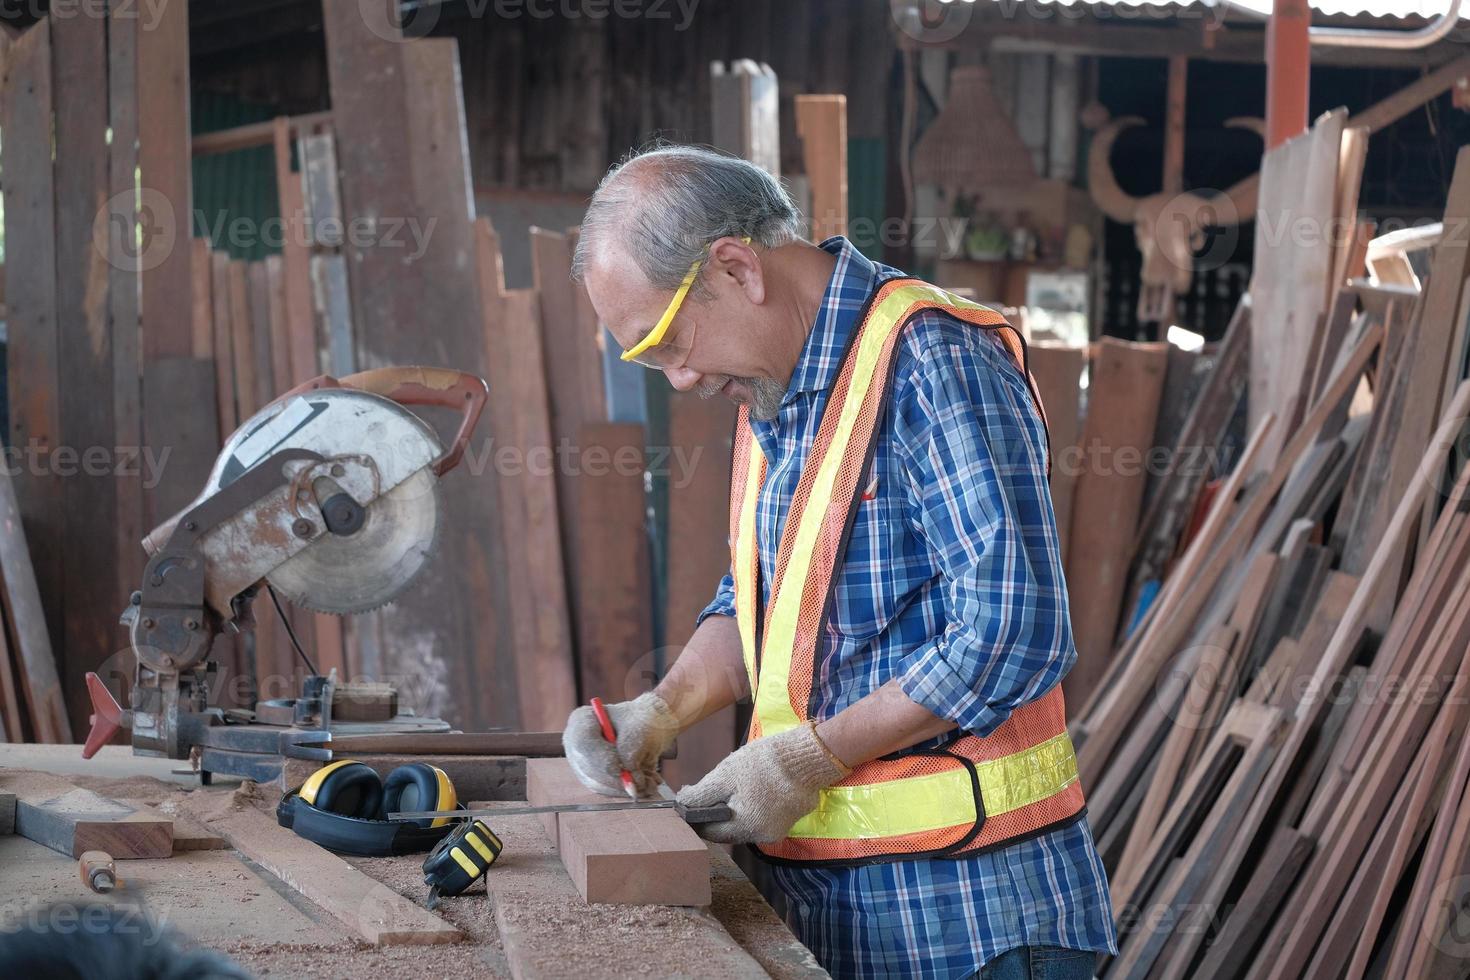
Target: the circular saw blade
pixel 367 569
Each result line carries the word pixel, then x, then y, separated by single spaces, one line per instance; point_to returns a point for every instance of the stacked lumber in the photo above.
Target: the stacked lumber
pixel 1275 758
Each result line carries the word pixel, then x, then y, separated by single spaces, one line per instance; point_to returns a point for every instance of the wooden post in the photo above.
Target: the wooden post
pixel 821 122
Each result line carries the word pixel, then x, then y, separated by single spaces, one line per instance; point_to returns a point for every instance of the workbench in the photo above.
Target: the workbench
pixel 525 920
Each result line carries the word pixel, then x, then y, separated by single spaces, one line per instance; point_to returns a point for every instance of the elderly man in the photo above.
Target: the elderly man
pixel 895 603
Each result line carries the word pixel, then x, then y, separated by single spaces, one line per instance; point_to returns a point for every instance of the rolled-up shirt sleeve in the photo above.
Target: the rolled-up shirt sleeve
pixel 974 454
pixel 723 603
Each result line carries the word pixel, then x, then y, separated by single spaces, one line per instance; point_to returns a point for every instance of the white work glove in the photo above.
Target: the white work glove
pixel 768 784
pixel 645 727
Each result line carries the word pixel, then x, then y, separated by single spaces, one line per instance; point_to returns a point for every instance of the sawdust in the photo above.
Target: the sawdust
pixel 145 788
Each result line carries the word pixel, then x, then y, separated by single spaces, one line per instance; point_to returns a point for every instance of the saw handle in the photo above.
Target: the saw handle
pixel 441 387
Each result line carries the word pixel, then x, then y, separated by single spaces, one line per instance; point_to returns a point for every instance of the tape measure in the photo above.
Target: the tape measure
pixel 460 859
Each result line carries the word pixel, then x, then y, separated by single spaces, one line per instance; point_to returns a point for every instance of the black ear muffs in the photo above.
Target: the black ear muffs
pixel 352 789
pixel 419 786
pixel 342 807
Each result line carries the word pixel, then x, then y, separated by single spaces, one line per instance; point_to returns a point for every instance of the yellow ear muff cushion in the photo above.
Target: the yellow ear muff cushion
pixel 313 784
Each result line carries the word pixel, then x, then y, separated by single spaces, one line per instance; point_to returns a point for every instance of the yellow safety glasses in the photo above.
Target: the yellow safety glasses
pixel 652 351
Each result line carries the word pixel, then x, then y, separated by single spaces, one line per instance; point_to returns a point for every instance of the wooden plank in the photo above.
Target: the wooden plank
pixel 52 811
pixel 538 591
pixel 398 119
pixel 275 273
pixel 1057 371
pixel 821 124
pixel 7 813
pixel 202 312
pixel 573 380
pixel 259 301
pixel 1228 955
pixel 32 368
pixel 368 909
pixel 1127 380
pixel 224 346
pixel 253 135
pixel 242 338
pixel 641 857
pixel 1201 568
pixel 744 117
pixel 25 617
pixel 12 725
pixel 701 431
pixel 125 325
pixel 295 259
pixel 614 591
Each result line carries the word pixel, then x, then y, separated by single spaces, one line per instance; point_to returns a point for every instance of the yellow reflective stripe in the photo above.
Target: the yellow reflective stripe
pixel 479 845
pixel 463 860
pixel 946 799
pixel 773 700
pixel 746 590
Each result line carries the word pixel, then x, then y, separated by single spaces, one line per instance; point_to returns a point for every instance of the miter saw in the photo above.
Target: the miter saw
pixel 330 497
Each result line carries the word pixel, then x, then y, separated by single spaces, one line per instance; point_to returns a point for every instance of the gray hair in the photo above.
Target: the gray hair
pixel 667 205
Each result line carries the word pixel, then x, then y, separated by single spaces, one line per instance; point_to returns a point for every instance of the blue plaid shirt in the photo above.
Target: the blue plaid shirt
pixel 952 582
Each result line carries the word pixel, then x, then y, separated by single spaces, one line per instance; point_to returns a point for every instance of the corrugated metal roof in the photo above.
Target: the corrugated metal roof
pixel 1421 9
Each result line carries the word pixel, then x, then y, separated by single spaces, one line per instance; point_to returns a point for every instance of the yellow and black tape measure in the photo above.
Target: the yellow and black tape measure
pixel 460 859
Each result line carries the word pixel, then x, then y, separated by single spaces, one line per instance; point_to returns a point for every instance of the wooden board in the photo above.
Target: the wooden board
pixel 573 376
pixel 526 460
pixel 1127 381
pixel 52 811
pixel 638 857
pixel 821 125
pixel 295 279
pixel 614 591
pixel 242 338
pixel 25 617
pixel 32 368
pixel 1229 954
pixel 7 813
pixel 224 345
pixel 367 908
pixel 1057 371
pixel 398 120
pixel 697 556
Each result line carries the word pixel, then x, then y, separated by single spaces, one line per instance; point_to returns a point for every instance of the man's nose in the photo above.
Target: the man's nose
pixel 682 378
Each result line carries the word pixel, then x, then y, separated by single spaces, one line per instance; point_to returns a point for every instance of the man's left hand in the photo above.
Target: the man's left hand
pixel 768 784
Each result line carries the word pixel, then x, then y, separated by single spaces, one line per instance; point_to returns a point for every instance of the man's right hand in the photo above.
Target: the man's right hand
pixel 645 726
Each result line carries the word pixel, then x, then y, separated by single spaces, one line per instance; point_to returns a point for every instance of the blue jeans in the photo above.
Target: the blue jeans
pixel 1040 963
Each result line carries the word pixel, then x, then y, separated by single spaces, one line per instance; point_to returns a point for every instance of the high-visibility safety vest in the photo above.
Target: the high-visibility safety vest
pixel 974 793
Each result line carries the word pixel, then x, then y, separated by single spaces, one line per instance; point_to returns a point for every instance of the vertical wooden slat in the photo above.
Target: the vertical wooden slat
pixel 295 260
pixel 821 122
pixel 700 435
pixel 224 345
pixel 518 395
pixel 614 589
pixel 1123 402
pixel 33 364
pixel 1058 374
pixel 243 340
pixel 127 385
pixel 202 312
pixel 88 486
pixel 398 118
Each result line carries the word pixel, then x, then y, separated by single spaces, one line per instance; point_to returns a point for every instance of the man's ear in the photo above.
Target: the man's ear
pixel 734 264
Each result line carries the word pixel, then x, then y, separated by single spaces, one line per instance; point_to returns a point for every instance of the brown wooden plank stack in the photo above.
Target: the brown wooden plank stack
pixel 1340 851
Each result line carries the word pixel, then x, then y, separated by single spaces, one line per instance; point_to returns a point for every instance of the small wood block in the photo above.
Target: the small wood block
pixel 364 702
pixel 637 857
pixel 53 812
pixel 7 813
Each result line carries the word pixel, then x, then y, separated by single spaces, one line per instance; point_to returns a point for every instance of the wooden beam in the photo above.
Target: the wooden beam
pixel 638 857
pixel 1127 381
pixel 1057 371
pixel 25 617
pixel 53 812
pixel 368 909
pixel 33 367
pixel 254 135
pixel 821 123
